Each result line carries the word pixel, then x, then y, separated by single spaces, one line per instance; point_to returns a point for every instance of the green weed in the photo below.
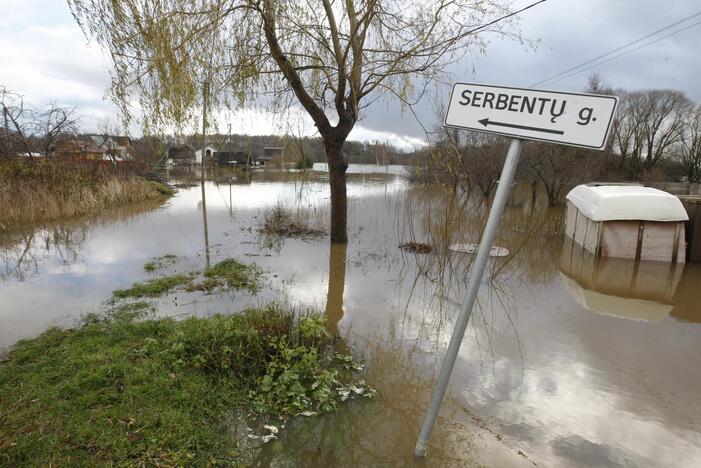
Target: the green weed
pixel 227 274
pixel 157 263
pixel 154 287
pixel 161 188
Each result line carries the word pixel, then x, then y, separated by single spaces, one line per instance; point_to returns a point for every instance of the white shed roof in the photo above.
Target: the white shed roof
pixel 626 202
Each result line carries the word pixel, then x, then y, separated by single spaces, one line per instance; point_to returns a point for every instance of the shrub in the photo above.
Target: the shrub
pixel 279 222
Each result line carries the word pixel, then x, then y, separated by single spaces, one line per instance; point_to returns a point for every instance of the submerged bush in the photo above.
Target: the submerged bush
pixel 120 391
pixel 304 163
pixel 278 221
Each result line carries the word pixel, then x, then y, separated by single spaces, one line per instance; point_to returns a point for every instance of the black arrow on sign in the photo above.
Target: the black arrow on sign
pixel 486 122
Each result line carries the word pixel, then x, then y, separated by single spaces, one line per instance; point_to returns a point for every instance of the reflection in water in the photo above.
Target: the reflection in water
pixel 382 431
pixel 204 222
pixel 620 287
pixel 536 372
pixel 24 252
pixel 687 298
pixel 648 291
pixel 337 284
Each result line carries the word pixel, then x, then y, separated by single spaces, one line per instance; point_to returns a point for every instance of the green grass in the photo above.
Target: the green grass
pixel 234 274
pixel 227 274
pixel 154 287
pixel 161 188
pixel 125 392
pixel 157 263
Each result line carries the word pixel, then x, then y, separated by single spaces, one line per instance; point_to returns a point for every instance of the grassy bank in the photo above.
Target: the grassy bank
pixel 38 191
pixel 128 390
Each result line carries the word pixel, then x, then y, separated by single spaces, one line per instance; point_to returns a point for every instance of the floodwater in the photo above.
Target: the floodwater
pixel 569 360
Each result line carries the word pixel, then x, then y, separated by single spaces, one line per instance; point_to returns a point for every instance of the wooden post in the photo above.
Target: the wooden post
pixel 692 204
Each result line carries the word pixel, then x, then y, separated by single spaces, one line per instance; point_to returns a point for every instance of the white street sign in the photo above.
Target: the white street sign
pixel 568 118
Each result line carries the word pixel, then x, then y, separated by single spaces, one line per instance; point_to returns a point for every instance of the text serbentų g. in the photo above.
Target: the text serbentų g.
pixel 521 104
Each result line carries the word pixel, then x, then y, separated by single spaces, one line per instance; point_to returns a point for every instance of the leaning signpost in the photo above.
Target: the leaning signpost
pixel 571 119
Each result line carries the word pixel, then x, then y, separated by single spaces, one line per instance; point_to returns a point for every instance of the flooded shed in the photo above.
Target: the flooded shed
pixel 627 221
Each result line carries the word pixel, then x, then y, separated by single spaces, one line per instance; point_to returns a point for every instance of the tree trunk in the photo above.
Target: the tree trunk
pixel 339 201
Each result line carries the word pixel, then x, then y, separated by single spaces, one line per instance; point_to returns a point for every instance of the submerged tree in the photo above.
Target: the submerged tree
pixel 333 57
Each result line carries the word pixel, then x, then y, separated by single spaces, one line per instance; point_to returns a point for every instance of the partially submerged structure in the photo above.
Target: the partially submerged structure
pixel 627 221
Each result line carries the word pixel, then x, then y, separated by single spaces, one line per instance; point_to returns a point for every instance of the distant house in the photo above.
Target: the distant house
pixel 114 147
pixel 273 156
pixel 180 154
pixel 209 152
pixel 78 149
pixel 93 148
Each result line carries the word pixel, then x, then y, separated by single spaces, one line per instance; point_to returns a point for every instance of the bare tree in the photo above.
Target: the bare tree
pixel 16 124
pixel 53 123
pixel 626 131
pixel 690 148
pixel 560 168
pixel 649 127
pixel 107 130
pixel 32 130
pixel 663 120
pixel 333 57
pixel 295 139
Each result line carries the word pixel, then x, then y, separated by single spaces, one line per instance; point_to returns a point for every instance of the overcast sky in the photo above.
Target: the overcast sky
pixel 44 56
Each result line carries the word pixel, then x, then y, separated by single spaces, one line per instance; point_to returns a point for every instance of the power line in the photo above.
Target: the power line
pixel 626 52
pixel 513 13
pixel 617 49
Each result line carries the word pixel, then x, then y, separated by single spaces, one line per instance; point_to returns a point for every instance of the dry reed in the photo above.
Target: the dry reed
pixel 32 192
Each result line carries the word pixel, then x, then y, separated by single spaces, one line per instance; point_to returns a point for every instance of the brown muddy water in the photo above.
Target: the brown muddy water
pixel 568 361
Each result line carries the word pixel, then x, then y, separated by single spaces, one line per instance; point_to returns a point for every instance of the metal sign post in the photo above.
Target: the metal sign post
pixel 572 119
pixel 490 230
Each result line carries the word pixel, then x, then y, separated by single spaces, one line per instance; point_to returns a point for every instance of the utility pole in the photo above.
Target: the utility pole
pixel 205 95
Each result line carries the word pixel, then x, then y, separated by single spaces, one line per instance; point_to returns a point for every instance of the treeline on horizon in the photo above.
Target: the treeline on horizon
pixel 656 136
